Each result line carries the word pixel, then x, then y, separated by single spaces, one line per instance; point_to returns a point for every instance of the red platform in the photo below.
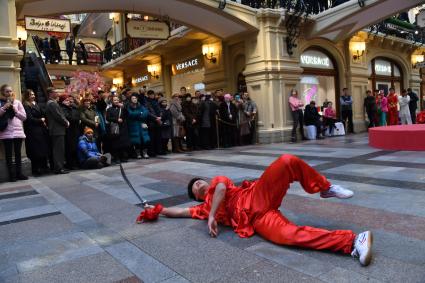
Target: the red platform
pixel 402 137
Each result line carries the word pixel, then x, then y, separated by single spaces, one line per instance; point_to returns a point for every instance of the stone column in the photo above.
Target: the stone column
pixel 357 78
pixel 270 75
pixel 10 55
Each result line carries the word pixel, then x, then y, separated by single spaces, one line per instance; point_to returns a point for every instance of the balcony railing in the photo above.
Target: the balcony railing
pixel 123 47
pixel 307 6
pixel 398 28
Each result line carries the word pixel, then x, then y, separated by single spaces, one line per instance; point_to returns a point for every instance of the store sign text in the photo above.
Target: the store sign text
pixel 187 64
pixel 148 29
pixel 382 69
pixel 47 24
pixel 315 60
pixel 141 79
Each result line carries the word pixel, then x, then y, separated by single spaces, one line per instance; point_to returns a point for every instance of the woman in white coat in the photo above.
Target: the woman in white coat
pixel 404 112
pixel 12 111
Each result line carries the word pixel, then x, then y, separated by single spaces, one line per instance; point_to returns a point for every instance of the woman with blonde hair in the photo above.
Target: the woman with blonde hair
pixel 12 134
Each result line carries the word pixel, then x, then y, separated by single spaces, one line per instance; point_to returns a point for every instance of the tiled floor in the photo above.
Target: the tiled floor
pixel 80 227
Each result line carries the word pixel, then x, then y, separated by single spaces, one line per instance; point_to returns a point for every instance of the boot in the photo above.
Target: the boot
pixel 176 145
pixel 180 145
pixel 12 177
pixel 145 154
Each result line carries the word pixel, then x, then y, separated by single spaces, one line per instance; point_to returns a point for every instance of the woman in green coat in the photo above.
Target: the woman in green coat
pixel 137 127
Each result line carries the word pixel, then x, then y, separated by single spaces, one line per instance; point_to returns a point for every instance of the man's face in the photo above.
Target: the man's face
pixel 54 94
pixel 346 92
pixel 199 189
pixel 182 91
pixel 134 99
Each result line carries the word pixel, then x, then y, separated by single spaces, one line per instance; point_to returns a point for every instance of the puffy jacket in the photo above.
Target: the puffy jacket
pixel 15 126
pixel 86 149
pixel 136 116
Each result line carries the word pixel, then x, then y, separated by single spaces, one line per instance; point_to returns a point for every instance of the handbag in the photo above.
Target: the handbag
pixel 114 127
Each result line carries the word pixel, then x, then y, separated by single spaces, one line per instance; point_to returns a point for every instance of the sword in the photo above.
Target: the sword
pixel 124 176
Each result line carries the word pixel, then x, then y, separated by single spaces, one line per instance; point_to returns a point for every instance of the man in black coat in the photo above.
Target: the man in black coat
pixel 57 128
pixel 413 104
pixel 70 45
pixel 312 118
pixel 228 113
pixel 371 108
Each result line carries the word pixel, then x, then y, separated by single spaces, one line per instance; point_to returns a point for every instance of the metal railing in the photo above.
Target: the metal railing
pixel 123 47
pixel 400 29
pixel 310 6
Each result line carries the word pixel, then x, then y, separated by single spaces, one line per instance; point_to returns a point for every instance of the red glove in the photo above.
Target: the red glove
pixel 149 214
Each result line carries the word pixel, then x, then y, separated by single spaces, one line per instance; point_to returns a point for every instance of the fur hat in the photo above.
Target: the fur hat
pixel 161 99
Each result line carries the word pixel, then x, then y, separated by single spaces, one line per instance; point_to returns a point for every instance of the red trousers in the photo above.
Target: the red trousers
pixel 392 116
pixel 268 221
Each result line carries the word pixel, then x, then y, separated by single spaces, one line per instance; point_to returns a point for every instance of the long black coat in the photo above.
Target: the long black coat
pixel 37 136
pixel 311 116
pixel 225 115
pixel 123 140
pixel 73 131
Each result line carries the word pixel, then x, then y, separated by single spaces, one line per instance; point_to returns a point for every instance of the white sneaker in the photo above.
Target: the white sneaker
pixel 363 248
pixel 336 191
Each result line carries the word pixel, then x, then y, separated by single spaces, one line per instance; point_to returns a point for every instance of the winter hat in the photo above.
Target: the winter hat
pixel 88 130
pixel 161 99
pixel 63 97
pixel 228 96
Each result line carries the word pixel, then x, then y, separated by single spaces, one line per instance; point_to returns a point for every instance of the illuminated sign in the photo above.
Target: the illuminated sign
pixel 313 60
pixel 141 79
pixel 383 68
pixel 188 65
pixel 47 24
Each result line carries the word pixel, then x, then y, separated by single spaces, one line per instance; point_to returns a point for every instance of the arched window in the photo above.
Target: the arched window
pixel 384 74
pixel 319 81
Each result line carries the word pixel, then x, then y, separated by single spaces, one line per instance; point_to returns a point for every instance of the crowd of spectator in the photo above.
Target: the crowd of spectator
pixel 97 130
pixel 381 110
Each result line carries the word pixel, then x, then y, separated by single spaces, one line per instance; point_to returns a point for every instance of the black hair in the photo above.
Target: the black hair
pixel 189 187
pixel 150 92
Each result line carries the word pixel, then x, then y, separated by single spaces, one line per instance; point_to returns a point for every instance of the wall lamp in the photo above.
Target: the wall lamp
pixel 208 52
pixel 153 70
pixel 416 59
pixel 115 17
pixel 358 49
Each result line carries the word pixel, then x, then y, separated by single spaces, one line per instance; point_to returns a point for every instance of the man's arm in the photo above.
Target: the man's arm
pixel 219 193
pixel 176 212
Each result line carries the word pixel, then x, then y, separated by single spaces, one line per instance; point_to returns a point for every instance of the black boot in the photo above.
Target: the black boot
pixel 19 175
pixel 12 177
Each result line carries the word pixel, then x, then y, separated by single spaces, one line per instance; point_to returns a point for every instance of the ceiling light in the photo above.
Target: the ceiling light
pixel 94 32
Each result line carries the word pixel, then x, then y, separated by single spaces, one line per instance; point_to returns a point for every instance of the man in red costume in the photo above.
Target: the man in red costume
pixel 392 108
pixel 253 208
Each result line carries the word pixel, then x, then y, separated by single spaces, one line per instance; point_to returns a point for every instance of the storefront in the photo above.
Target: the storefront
pixel 188 73
pixel 384 74
pixel 319 80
